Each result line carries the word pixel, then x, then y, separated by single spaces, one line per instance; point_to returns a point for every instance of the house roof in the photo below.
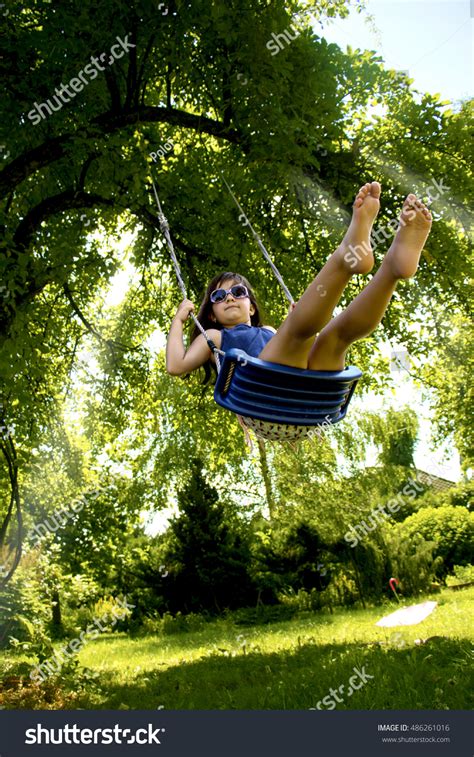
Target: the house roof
pixel 434 482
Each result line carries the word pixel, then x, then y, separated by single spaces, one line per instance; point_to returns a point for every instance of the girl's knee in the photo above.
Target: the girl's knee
pixel 327 358
pixel 332 345
pixel 297 329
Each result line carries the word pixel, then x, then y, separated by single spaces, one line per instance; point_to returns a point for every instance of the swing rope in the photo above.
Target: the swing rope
pixel 262 247
pixel 164 226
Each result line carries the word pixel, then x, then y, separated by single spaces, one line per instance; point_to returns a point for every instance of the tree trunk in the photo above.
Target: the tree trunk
pixel 358 583
pixel 266 476
pixel 56 611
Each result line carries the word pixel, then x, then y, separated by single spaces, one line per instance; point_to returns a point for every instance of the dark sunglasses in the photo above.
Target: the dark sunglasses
pixel 238 291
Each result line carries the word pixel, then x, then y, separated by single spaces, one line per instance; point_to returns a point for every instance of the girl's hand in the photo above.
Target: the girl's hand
pixel 184 310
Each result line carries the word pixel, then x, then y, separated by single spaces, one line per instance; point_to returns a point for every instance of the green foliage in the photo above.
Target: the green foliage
pixel 449 373
pixel 450 529
pixel 343 589
pixel 303 601
pixel 299 558
pixel 363 567
pixel 101 609
pixel 329 484
pixel 413 561
pixel 168 624
pixel 207 553
pixel 24 611
pixel 396 433
pixel 462 574
pixel 460 495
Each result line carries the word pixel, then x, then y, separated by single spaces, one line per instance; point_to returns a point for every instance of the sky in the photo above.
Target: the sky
pixel 431 39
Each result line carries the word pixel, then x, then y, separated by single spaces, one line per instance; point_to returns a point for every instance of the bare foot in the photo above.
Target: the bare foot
pixel 355 248
pixel 405 250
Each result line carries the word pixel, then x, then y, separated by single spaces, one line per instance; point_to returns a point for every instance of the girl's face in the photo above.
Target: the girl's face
pixel 232 311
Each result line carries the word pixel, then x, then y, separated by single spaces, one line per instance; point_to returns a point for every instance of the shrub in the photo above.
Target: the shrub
pixel 24 613
pixel 450 528
pixel 261 615
pixel 169 624
pixel 463 574
pixel 461 495
pixel 412 560
pixel 313 600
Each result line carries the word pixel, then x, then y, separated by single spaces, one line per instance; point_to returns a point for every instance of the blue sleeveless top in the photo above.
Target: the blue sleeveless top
pixel 250 339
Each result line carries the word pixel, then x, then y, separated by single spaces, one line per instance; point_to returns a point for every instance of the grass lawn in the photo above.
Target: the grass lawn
pixel 288 665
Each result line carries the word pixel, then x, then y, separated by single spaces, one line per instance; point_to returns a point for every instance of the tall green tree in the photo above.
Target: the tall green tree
pixel 294 131
pixel 209 556
pixel 449 377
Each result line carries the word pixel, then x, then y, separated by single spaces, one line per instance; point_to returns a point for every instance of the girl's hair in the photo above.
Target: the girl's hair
pixel 205 311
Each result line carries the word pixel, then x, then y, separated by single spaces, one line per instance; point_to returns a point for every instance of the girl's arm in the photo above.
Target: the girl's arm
pixel 178 360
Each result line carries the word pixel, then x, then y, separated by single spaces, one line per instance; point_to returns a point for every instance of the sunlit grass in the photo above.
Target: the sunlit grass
pixel 288 665
pixel 294 664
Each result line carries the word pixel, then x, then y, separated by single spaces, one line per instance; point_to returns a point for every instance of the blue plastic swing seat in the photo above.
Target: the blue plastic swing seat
pixel 280 402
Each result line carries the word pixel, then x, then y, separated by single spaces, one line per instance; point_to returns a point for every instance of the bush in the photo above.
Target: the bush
pixel 450 528
pixel 412 561
pixel 360 572
pixel 461 495
pixel 343 588
pixel 169 624
pixel 261 615
pixel 313 600
pixel 463 574
pixel 24 613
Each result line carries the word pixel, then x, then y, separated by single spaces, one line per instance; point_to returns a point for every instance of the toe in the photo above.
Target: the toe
pixel 371 189
pixel 375 189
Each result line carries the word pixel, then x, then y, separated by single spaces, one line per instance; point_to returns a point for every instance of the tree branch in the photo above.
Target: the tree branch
pixel 109 342
pixel 68 200
pixel 141 70
pixel 107 123
pixel 84 170
pixel 114 90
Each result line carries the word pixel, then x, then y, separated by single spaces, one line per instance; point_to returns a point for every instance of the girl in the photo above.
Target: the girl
pixel 307 338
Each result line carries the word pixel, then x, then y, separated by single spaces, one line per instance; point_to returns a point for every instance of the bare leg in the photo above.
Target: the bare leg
pixel 366 311
pixel 294 339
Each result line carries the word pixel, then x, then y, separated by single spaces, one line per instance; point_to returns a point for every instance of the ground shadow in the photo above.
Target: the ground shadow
pixel 434 675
